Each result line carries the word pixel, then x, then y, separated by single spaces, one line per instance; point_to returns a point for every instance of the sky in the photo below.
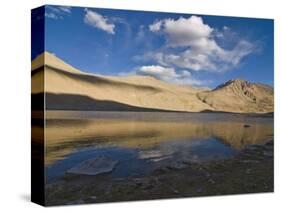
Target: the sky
pixel 186 49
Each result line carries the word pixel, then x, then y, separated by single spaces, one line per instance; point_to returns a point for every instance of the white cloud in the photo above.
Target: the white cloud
pixel 158 72
pixel 51 15
pixel 65 9
pixel 155 26
pixel 183 31
pixel 200 50
pixel 226 28
pixel 57 12
pixel 234 56
pixel 168 74
pixel 98 21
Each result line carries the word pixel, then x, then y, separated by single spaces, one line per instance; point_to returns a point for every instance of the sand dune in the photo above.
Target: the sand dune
pixel 70 88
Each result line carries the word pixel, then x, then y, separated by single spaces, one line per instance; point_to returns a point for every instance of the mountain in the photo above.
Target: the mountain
pixel 71 89
pixel 240 96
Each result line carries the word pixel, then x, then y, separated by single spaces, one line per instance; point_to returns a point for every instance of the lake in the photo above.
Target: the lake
pixel 122 156
pixel 142 142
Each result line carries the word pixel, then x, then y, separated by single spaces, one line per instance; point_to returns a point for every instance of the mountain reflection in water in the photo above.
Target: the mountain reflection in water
pixel 152 135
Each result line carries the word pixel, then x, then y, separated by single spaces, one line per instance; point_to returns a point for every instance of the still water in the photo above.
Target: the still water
pixel 141 142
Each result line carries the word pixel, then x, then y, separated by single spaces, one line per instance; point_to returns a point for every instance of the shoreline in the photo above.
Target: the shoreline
pixel 250 171
pixel 271 114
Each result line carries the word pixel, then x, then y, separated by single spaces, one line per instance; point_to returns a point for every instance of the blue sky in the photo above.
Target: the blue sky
pixel 188 49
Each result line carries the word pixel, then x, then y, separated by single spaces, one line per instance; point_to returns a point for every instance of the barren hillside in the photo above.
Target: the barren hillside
pixel 71 89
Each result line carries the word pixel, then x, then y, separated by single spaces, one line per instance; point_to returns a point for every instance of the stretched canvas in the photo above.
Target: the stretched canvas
pixel 134 105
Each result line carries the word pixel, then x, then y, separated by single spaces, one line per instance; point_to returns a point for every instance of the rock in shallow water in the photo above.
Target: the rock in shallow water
pixel 94 166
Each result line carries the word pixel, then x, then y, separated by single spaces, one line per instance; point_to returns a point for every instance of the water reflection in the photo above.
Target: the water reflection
pixel 153 136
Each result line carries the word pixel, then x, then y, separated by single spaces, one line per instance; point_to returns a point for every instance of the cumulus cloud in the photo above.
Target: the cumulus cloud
pixel 96 20
pixel 57 12
pixel 183 31
pixel 155 26
pixel 160 72
pixel 200 51
pixel 168 74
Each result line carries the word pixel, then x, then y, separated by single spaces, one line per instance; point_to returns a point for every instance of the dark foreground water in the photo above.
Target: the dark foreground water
pixel 133 145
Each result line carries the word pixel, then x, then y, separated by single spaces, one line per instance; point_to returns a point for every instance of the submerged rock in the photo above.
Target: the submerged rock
pixel 177 165
pixel 94 166
pixel 268 153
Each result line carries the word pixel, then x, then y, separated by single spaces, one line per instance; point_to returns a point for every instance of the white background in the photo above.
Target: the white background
pixel 15 104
